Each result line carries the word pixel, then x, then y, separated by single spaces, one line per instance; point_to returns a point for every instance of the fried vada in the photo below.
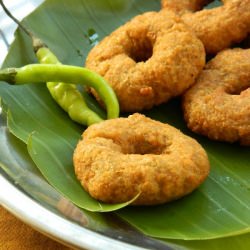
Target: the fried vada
pixel 149 60
pixel 120 158
pixel 218 28
pixel 218 105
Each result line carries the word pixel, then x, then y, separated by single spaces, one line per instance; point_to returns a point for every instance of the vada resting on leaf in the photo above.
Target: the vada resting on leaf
pixel 218 105
pixel 218 28
pixel 120 158
pixel 148 60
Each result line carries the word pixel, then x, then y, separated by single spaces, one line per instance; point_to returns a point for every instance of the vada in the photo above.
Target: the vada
pixel 149 60
pixel 218 28
pixel 120 158
pixel 218 105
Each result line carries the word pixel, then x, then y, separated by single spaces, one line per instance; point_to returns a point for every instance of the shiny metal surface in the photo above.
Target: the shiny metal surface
pixel 51 224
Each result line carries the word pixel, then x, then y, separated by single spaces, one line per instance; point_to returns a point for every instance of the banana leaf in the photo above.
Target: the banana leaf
pixel 219 208
pixel 15 161
pixel 55 138
pixel 18 165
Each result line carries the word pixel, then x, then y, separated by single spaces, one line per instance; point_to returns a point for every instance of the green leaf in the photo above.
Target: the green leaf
pixel 219 208
pixel 18 165
pixel 51 137
pixel 15 161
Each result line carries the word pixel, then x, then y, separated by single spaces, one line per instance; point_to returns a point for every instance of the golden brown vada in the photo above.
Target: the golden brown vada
pixel 149 60
pixel 218 28
pixel 218 105
pixel 121 158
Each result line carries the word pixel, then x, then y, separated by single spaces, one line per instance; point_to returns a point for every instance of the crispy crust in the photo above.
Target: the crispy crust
pixel 221 27
pixel 149 60
pixel 218 28
pixel 119 158
pixel 218 105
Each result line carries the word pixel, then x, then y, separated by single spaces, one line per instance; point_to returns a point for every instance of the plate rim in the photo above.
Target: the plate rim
pixel 44 221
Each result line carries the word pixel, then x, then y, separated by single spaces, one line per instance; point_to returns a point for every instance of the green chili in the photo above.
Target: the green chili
pixel 67 95
pixel 64 73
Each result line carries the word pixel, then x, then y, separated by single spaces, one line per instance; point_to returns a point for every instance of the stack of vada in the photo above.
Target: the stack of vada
pixel 152 58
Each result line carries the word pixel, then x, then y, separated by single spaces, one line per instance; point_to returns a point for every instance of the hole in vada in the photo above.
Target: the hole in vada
pixel 141 51
pixel 238 90
pixel 147 148
pixel 212 4
pixel 141 145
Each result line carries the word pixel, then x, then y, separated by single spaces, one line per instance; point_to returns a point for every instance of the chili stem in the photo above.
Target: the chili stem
pixel 37 43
